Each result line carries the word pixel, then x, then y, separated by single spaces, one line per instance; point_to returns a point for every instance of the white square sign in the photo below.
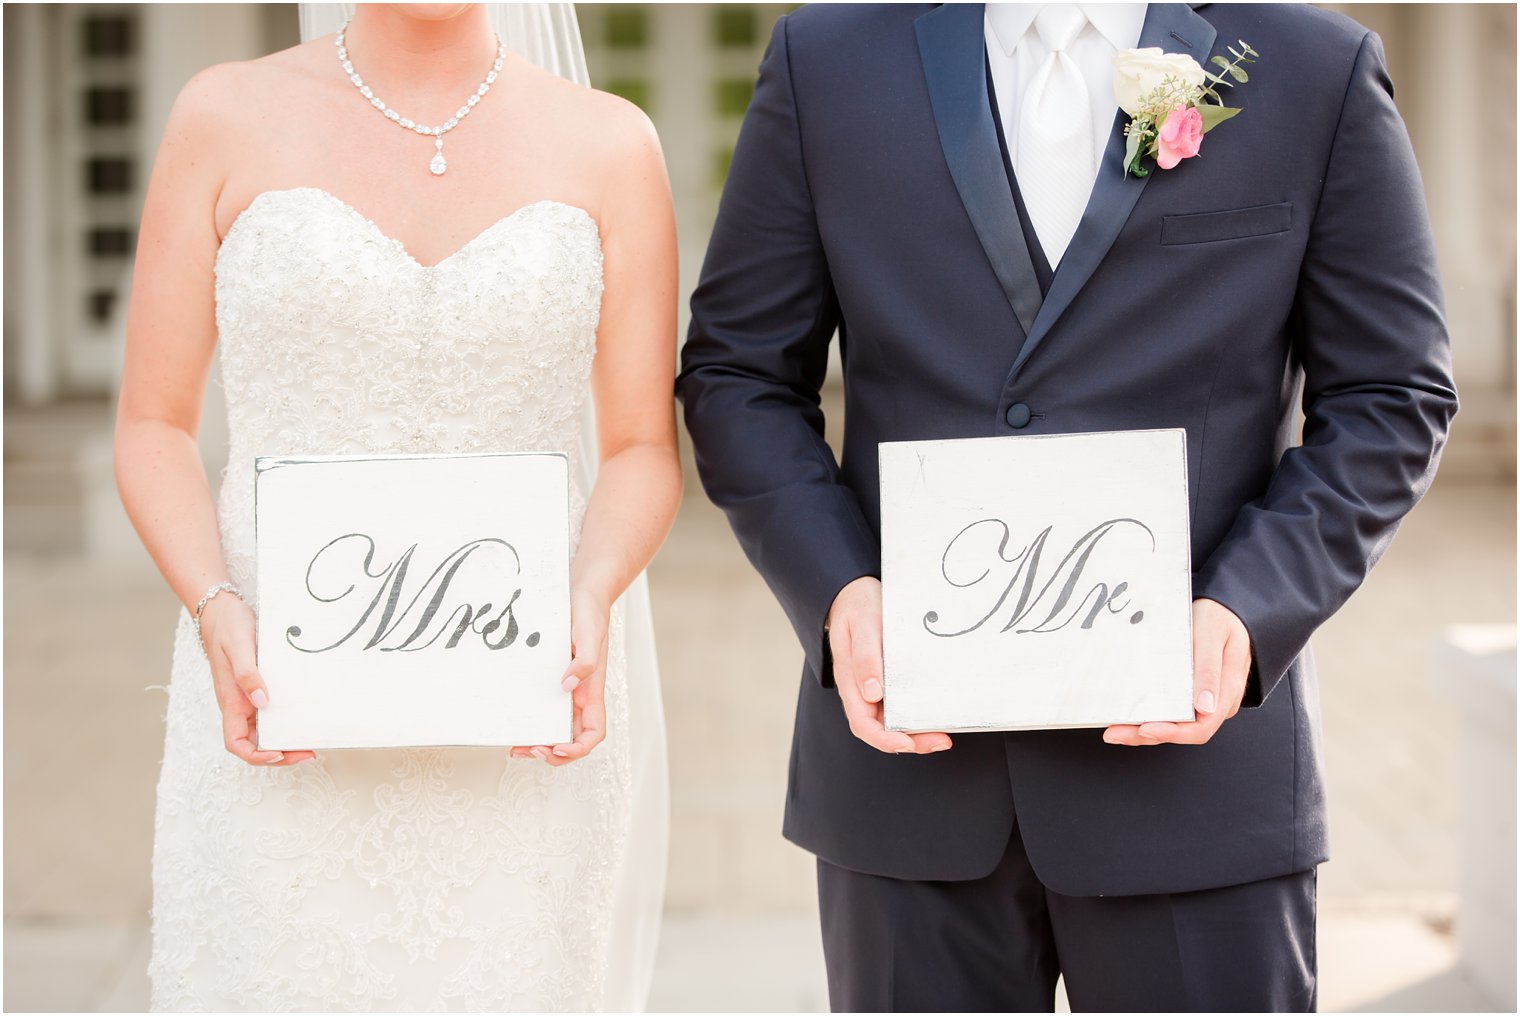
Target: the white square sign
pixel 1033 582
pixel 413 600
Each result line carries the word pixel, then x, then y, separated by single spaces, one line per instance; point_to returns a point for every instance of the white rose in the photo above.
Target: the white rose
pixel 1139 72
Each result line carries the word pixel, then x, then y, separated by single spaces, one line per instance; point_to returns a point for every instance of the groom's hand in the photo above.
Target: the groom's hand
pixel 855 642
pixel 1221 665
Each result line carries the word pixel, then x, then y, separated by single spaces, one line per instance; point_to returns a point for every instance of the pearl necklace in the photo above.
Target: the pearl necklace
pixel 438 165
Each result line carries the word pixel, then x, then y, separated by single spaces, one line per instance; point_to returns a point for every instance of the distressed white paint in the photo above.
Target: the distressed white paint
pixel 944 506
pixel 351 696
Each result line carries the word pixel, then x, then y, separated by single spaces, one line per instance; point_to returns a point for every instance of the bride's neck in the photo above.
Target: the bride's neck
pixel 390 43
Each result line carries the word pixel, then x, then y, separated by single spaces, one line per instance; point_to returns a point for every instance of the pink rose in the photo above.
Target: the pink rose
pixel 1179 137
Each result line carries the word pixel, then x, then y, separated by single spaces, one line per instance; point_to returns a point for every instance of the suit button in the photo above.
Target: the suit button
pixel 1018 415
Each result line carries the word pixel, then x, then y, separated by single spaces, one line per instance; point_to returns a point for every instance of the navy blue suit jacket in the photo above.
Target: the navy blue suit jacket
pixel 1289 266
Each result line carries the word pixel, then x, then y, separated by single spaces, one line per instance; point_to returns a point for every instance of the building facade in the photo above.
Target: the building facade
pixel 89 86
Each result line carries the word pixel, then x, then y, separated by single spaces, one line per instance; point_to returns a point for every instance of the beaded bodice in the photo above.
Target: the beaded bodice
pixel 337 340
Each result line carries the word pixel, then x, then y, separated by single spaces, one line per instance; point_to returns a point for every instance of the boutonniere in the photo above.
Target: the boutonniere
pixel 1172 102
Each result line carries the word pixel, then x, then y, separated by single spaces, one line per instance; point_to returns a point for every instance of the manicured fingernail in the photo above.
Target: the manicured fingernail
pixel 258 698
pixel 562 753
pixel 570 683
pixel 541 754
pixel 872 688
pixel 1205 701
pixel 941 747
pixel 278 757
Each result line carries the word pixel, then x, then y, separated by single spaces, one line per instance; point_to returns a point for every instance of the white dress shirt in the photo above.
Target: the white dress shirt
pixel 1014 51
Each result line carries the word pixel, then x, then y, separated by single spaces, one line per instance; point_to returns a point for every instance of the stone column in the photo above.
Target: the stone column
pixel 30 356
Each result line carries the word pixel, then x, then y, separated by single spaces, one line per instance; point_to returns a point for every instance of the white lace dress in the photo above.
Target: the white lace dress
pixel 413 879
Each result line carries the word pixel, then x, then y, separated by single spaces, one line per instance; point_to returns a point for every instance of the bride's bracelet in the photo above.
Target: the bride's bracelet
pixel 211 594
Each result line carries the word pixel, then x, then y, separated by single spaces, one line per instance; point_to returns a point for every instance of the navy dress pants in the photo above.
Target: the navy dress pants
pixel 997 944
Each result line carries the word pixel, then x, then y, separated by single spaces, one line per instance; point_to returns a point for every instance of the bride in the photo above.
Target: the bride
pixel 405 237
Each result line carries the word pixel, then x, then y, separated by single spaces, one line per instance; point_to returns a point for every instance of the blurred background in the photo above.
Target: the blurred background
pixel 1418 671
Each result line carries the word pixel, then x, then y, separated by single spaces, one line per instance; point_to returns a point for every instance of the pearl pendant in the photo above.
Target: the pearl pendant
pixel 439 165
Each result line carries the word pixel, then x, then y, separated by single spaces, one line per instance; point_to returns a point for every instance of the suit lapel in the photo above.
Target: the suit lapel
pixel 1176 29
pixel 952 44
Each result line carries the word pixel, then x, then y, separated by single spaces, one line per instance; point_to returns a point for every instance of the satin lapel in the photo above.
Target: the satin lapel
pixel 952 45
pixel 1176 29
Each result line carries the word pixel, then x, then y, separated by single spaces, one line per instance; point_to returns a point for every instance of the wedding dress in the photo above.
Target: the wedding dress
pixel 408 879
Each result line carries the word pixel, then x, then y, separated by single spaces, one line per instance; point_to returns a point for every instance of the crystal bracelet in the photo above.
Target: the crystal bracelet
pixel 211 594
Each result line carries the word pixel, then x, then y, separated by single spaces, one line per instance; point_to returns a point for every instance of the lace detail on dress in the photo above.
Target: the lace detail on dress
pixel 416 879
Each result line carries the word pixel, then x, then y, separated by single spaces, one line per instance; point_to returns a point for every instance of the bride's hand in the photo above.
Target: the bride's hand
pixel 585 678
pixel 227 631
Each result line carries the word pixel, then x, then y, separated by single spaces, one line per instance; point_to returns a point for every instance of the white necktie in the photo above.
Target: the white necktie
pixel 1055 168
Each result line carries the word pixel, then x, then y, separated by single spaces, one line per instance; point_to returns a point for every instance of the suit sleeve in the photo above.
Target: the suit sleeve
pixel 1370 334
pixel 754 361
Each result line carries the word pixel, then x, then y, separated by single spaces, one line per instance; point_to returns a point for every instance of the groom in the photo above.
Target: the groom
pixel 945 188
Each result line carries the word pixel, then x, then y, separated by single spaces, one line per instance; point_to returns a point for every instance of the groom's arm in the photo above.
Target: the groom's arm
pixel 1378 392
pixel 753 365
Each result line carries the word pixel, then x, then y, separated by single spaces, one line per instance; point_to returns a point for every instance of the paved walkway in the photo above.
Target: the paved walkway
pixel 85 640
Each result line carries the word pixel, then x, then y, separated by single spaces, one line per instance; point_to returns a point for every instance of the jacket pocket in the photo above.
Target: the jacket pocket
pixel 1234 224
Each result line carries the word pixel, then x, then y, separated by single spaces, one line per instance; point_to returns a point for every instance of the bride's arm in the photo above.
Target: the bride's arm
pixel 638 487
pixel 171 335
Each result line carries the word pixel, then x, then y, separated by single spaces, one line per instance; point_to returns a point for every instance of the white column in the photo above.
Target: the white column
pixel 178 40
pixel 30 360
pixel 680 71
pixel 1458 143
pixel 1475 665
pixel 1453 69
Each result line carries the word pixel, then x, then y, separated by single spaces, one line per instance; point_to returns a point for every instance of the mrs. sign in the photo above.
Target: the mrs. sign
pixel 413 600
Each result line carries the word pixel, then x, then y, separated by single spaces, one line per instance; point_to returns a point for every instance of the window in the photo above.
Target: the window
pixel 110 242
pixel 108 106
pixel 627 28
pixel 109 175
pixel 731 96
pixel 108 35
pixel 735 26
pixel 722 159
pixel 635 90
pixel 100 304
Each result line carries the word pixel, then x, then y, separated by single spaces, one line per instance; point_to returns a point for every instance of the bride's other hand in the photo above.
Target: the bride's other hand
pixel 585 679
pixel 227 632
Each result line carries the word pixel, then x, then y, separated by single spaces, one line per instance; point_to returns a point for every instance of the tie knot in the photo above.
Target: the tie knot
pixel 1058 25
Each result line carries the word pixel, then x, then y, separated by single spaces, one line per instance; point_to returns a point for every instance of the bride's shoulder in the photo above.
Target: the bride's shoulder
pixel 599 124
pixel 227 98
pixel 622 129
